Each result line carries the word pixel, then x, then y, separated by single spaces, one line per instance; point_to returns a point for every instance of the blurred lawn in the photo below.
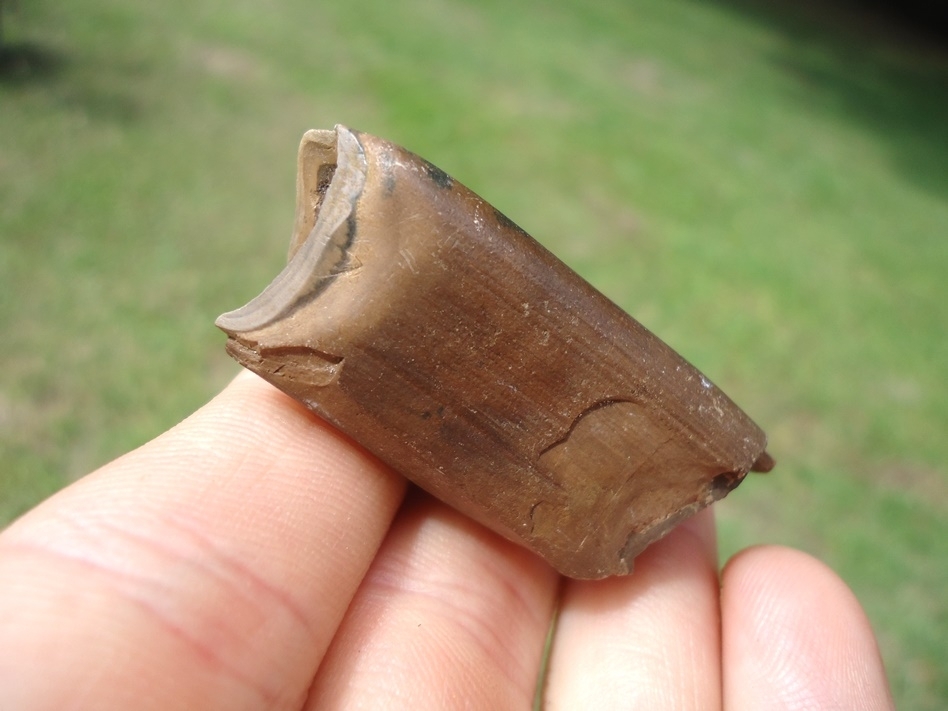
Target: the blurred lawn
pixel 766 187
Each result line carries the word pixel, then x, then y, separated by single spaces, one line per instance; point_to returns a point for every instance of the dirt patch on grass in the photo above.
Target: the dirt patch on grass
pixel 917 480
pixel 229 63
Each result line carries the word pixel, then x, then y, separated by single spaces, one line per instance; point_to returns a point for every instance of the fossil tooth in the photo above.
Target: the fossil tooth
pixel 430 328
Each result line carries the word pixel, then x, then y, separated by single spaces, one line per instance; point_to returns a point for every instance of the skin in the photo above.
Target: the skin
pixel 254 558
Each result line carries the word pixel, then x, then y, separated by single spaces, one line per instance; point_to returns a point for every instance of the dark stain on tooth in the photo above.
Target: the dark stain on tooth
pixel 352 227
pixel 506 222
pixel 440 178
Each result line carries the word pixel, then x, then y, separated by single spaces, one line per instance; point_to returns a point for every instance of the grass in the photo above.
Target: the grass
pixel 763 185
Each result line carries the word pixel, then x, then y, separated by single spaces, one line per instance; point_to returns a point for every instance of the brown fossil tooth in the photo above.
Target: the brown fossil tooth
pixel 426 325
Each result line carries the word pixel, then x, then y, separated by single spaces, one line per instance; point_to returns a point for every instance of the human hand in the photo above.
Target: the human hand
pixel 255 558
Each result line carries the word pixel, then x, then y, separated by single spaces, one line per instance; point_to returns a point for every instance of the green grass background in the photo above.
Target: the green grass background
pixel 763 185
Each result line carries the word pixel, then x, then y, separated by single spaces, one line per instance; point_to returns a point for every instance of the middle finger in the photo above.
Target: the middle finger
pixel 649 640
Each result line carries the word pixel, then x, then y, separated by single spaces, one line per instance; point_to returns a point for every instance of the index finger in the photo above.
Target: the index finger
pixel 208 569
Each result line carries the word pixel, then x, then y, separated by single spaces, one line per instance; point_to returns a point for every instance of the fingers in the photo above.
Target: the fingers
pixel 212 567
pixel 208 569
pixel 646 641
pixel 449 616
pixel 795 637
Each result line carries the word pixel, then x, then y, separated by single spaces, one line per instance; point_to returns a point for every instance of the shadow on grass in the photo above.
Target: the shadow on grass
pixel 26 62
pixel 873 69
